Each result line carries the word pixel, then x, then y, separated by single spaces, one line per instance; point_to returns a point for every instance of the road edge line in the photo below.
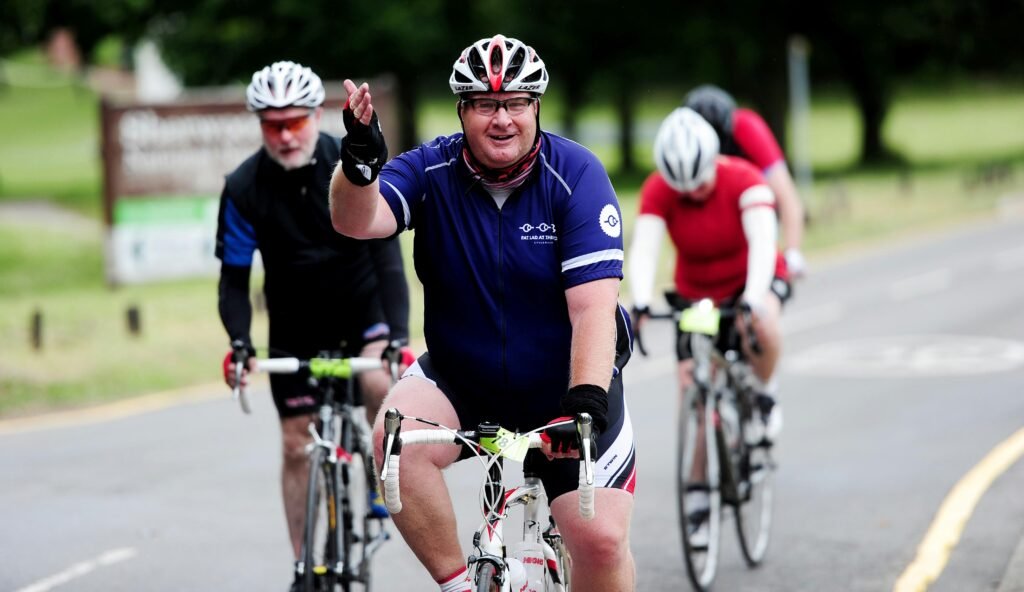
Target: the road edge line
pixel 126 407
pixel 948 524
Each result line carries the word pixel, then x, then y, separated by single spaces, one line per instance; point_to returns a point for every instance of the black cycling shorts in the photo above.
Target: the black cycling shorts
pixel 344 333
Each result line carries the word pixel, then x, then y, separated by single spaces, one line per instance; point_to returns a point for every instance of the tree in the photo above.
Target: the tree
pixel 28 22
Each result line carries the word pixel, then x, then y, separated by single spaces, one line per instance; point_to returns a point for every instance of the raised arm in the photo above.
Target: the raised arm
pixel 358 209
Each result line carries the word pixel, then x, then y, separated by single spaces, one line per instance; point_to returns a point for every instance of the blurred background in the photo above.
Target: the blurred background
pixel 896 118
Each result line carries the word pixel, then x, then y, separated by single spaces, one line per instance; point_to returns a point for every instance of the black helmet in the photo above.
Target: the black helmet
pixel 715 105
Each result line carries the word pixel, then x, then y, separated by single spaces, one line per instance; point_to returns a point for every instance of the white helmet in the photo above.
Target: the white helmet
pixel 685 150
pixel 498 64
pixel 284 84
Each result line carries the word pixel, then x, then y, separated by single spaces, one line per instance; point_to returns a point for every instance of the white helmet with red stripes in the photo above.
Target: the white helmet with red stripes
pixel 499 64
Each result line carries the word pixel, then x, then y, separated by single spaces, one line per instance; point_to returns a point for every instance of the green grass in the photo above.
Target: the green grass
pixel 50 146
pixel 50 149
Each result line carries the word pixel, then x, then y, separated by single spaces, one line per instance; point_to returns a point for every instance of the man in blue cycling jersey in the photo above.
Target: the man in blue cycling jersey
pixel 324 292
pixel 519 248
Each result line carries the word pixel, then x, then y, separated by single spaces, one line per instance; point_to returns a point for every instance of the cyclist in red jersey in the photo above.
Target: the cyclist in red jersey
pixel 720 215
pixel 744 133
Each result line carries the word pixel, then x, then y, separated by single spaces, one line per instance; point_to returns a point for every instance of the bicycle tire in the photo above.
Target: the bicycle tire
pixel 318 552
pixel 701 561
pixel 487 577
pixel 347 536
pixel 354 544
pixel 754 512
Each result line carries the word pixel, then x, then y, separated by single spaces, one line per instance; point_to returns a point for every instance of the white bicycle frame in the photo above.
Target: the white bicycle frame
pixel 489 539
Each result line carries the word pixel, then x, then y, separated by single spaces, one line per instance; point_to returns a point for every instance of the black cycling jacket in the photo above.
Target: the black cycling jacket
pixel 315 278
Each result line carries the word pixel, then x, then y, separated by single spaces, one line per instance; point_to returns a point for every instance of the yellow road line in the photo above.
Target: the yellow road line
pixel 956 509
pixel 115 410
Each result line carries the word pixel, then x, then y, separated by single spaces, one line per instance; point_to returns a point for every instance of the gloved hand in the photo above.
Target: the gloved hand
pixel 582 398
pixel 240 353
pixel 795 262
pixel 563 438
pixel 398 352
pixel 638 316
pixel 363 149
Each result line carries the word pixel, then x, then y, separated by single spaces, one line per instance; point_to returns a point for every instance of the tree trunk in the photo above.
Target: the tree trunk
pixel 774 96
pixel 407 98
pixel 864 71
pixel 571 109
pixel 624 106
pixel 873 104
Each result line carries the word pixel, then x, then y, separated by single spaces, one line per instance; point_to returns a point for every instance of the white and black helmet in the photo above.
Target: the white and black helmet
pixel 685 150
pixel 284 84
pixel 499 64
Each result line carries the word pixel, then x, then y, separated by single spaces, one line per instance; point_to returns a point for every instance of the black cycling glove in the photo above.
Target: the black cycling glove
pixel 582 398
pixel 587 398
pixel 363 150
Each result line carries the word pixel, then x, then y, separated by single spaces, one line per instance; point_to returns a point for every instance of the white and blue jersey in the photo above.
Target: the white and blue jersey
pixel 494 278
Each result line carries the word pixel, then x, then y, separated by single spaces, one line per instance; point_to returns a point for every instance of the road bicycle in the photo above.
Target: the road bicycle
pixel 735 466
pixel 541 562
pixel 341 535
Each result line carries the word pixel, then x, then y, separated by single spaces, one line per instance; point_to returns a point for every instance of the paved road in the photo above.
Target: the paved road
pixel 904 368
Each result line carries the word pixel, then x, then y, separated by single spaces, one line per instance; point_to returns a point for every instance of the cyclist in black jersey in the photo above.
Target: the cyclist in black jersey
pixel 324 292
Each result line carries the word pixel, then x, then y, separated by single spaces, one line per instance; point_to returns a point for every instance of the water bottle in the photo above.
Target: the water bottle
pixel 530 555
pixel 516 573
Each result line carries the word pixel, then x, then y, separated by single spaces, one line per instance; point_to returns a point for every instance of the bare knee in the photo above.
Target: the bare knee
pixel 295 436
pixel 603 542
pixel 602 545
pixel 417 398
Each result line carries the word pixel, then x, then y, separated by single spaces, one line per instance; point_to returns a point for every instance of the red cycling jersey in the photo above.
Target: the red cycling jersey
pixel 755 140
pixel 711 247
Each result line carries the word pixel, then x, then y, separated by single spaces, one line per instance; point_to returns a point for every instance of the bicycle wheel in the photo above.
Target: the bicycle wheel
pixel 360 545
pixel 697 470
pixel 487 577
pixel 320 541
pixel 754 512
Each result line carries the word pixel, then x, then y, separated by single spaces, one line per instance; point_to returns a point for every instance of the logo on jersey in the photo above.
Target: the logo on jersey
pixel 610 222
pixel 543 233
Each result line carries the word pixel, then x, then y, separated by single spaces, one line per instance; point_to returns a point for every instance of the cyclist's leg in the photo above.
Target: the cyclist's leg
pixel 769 336
pixel 685 377
pixel 697 501
pixel 601 559
pixel 374 385
pixel 296 406
pixel 427 520
pixel 368 331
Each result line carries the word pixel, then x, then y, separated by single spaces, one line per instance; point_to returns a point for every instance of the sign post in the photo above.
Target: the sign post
pixel 163 172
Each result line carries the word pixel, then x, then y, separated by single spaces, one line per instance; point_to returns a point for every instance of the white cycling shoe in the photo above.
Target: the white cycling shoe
pixel 697 507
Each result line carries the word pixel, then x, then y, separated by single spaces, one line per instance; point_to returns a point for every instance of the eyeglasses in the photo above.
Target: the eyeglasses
pixel 293 124
pixel 514 106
